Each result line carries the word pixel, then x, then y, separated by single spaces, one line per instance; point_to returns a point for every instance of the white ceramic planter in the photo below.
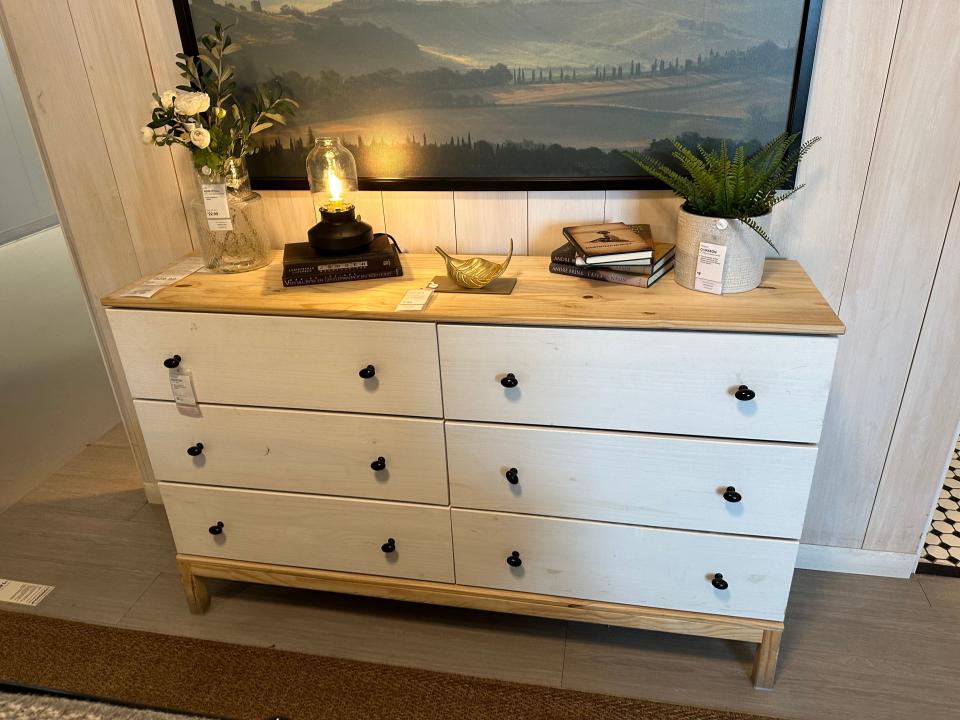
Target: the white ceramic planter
pixel 746 250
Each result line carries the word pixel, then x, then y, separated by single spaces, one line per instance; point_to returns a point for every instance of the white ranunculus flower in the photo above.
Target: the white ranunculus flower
pixel 167 98
pixel 200 137
pixel 189 126
pixel 191 103
pixel 146 134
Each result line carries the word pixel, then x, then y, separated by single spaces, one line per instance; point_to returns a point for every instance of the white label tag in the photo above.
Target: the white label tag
pixel 415 299
pixel 21 593
pixel 216 207
pixel 181 384
pixel 152 285
pixel 709 276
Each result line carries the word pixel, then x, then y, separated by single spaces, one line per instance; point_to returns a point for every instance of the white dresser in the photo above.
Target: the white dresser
pixel 575 450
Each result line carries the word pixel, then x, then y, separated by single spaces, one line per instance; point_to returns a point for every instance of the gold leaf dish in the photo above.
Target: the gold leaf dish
pixel 476 272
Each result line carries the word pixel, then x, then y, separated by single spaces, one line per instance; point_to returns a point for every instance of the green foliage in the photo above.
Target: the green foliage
pixel 741 186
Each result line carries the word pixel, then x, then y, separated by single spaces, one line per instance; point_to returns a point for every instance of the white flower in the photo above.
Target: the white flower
pixel 146 134
pixel 191 103
pixel 206 170
pixel 167 98
pixel 200 137
pixel 189 126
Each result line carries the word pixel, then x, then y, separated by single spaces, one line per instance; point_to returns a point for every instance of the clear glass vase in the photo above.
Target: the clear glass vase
pixel 230 221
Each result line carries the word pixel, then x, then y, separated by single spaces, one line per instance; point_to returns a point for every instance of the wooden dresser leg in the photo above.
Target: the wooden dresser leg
pixel 195 588
pixel 765 661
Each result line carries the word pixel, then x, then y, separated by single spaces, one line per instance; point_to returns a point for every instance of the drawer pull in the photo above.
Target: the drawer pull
pixel 512 476
pixel 195 450
pixel 216 529
pixel 389 546
pixel 719 583
pixel 731 495
pixel 514 559
pixel 368 372
pixel 509 380
pixel 744 393
pixel 379 464
pixel 172 362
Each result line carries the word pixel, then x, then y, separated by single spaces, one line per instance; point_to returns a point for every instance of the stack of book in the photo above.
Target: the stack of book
pixel 303 266
pixel 613 252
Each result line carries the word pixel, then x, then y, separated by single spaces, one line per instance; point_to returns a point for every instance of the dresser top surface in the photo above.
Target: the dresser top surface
pixel 786 301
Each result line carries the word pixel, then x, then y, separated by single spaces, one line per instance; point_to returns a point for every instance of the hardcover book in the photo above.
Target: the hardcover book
pixel 662 254
pixel 303 266
pixel 613 276
pixel 610 242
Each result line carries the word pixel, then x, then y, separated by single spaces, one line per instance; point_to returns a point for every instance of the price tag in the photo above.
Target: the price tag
pixel 216 207
pixel 415 299
pixel 181 384
pixel 709 277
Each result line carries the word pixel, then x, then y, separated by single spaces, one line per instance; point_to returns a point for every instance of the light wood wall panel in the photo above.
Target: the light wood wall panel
pixel 486 221
pixel 46 55
pixel 657 208
pixel 420 220
pixel 926 429
pixel 549 212
pixel 118 71
pixel 908 199
pixel 817 225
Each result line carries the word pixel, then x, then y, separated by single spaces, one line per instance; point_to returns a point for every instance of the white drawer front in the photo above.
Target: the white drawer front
pixel 298 451
pixel 310 531
pixel 283 361
pixel 623 564
pixel 650 381
pixel 655 480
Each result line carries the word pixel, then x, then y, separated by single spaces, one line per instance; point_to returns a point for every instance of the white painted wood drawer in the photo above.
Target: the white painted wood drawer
pixel 643 380
pixel 659 480
pixel 291 362
pixel 624 564
pixel 311 531
pixel 298 451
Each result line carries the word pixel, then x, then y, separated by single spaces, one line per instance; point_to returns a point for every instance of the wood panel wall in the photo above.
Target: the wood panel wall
pixel 870 226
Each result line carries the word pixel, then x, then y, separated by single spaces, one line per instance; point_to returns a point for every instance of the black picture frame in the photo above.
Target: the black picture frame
pixel 800 90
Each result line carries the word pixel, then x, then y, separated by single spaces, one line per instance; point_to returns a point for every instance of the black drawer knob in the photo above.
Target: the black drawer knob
pixel 379 464
pixel 719 583
pixel 368 372
pixel 216 529
pixel 744 393
pixel 509 380
pixel 513 477
pixel 172 362
pixel 731 495
pixel 514 559
pixel 389 546
pixel 195 450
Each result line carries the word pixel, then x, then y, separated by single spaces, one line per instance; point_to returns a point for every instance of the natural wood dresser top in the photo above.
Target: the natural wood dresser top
pixel 785 302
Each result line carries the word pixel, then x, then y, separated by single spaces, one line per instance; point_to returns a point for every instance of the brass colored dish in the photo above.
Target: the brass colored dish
pixel 476 272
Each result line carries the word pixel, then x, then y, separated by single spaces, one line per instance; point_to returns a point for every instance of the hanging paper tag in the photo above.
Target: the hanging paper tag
pixel 23 593
pixel 709 277
pixel 181 385
pixel 216 206
pixel 415 299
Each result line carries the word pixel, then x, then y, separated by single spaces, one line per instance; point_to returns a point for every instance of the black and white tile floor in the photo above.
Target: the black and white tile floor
pixel 941 552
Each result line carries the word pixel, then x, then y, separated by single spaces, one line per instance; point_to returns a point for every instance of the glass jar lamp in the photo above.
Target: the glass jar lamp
pixel 332 173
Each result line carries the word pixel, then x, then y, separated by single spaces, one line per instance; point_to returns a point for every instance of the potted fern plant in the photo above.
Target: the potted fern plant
pixel 728 202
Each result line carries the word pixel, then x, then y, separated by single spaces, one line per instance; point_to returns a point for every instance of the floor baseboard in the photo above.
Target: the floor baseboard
pixel 856 561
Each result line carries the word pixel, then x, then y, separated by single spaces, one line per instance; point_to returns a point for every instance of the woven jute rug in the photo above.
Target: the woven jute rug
pixel 249 683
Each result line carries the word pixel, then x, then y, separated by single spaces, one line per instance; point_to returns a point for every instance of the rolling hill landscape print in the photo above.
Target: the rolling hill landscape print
pixel 513 88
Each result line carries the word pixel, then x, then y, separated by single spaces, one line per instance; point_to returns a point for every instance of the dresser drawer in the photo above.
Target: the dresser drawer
pixel 645 380
pixel 658 480
pixel 283 361
pixel 298 451
pixel 623 564
pixel 311 531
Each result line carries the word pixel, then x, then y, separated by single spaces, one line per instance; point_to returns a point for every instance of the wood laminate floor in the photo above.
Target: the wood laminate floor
pixel 855 646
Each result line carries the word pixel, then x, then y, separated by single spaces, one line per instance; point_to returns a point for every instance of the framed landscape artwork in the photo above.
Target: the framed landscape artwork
pixel 515 94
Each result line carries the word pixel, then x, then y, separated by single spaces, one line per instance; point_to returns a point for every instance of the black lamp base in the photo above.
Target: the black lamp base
pixel 340 233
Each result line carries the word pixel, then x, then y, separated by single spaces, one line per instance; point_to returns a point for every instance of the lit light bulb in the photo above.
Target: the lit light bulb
pixel 334 187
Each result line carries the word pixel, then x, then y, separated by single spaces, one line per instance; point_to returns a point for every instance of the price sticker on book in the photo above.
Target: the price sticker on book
pixel 216 207
pixel 709 273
